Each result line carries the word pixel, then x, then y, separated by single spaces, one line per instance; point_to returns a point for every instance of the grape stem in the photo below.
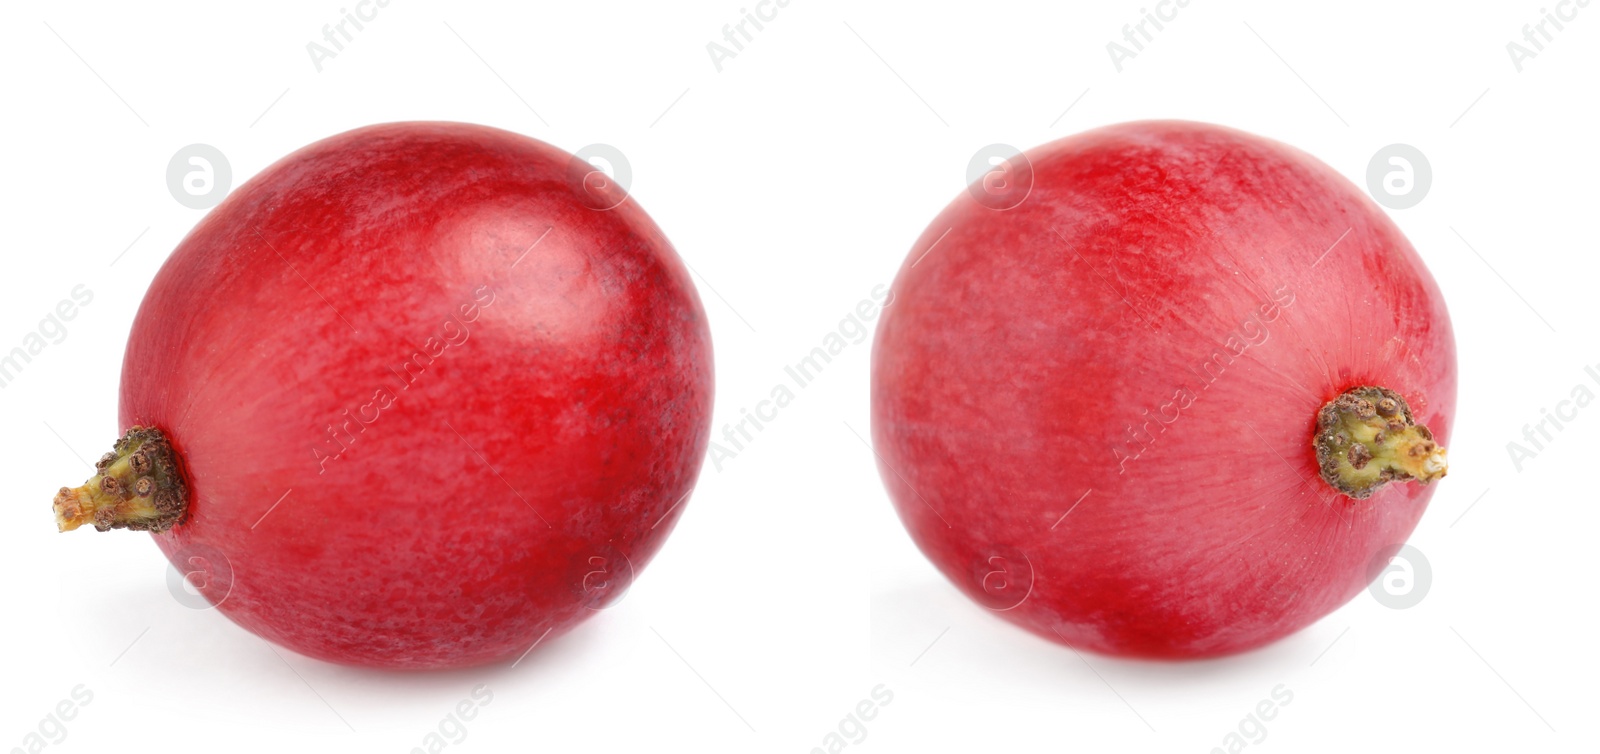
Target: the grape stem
pixel 1367 438
pixel 138 486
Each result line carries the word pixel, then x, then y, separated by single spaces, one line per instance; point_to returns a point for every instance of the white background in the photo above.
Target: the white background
pixel 793 182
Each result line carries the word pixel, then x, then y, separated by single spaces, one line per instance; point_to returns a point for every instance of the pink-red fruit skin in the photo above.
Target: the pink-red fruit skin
pixel 435 397
pixel 1094 409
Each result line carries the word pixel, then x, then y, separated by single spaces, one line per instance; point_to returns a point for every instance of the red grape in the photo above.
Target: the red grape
pixel 432 393
pixel 1097 397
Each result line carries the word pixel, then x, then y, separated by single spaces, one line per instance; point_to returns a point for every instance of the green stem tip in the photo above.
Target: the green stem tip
pixel 1367 438
pixel 137 486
